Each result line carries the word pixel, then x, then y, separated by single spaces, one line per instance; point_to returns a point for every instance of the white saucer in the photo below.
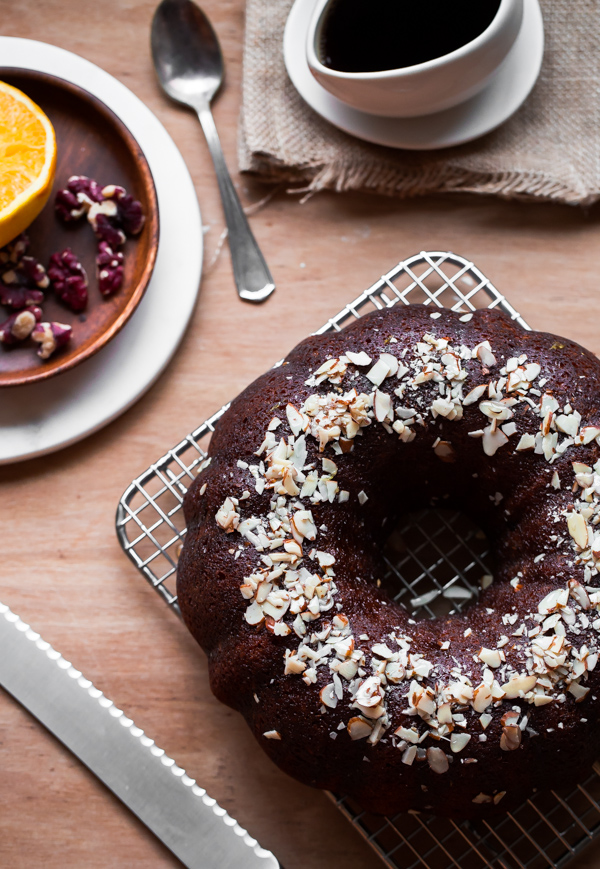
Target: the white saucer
pixel 477 116
pixel 41 418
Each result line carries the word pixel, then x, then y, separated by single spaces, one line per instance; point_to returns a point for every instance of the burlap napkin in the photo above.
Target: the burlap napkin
pixel 550 149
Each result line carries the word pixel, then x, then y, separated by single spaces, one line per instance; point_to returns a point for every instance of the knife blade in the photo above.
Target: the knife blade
pixel 177 810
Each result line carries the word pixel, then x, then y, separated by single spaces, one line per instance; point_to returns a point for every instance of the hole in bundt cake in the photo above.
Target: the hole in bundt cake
pixel 437 561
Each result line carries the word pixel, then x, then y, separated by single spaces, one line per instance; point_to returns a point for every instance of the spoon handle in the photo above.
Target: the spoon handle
pixel 252 276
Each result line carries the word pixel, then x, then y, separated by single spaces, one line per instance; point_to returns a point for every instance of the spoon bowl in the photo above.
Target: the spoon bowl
pixel 186 52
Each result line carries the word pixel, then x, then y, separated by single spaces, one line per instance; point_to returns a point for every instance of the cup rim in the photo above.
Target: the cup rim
pixel 404 71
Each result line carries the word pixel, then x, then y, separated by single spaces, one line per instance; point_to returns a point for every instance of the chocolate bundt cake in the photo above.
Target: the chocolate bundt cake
pixel 280 576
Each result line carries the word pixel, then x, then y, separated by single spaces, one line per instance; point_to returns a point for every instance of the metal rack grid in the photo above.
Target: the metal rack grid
pixel 436 561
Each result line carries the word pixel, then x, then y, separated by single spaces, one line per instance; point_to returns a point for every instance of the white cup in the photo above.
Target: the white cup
pixel 426 87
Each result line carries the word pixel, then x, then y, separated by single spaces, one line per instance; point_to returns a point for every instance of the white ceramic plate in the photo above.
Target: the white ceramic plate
pixel 44 417
pixel 477 116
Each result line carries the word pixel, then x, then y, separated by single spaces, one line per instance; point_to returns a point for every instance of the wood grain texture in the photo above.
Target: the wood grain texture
pixel 62 568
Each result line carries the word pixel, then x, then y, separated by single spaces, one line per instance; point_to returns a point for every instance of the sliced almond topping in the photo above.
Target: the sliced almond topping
pixel 553 601
pixel 407 734
pixel 379 372
pixel 437 760
pixel 444 714
pixel 348 669
pixel 254 614
pixel 328 696
pixel 409 755
pixel 359 728
pixel 475 394
pixel 485 355
pixel 510 739
pixel 272 734
pixel 382 650
pixel 391 362
pixel 294 665
pixel 297 421
pixel 578 691
pixel 491 657
pixel 482 697
pixel 518 686
pixel 493 439
pixel 369 692
pixel 495 410
pixel 361 358
pixel 527 442
pixel 382 405
pixel 567 424
pixel 578 529
pixel 458 741
pixel 588 433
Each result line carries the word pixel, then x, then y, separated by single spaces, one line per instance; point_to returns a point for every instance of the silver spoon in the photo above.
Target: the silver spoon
pixel 189 64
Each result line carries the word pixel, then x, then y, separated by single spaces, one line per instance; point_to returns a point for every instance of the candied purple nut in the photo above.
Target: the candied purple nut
pixel 110 269
pixel 50 336
pixel 105 228
pixel 14 251
pixel 28 272
pixel 19 325
pixel 130 215
pixel 21 285
pixel 19 297
pixel 69 280
pixel 74 200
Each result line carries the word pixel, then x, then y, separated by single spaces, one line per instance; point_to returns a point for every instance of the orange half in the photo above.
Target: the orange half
pixel 27 161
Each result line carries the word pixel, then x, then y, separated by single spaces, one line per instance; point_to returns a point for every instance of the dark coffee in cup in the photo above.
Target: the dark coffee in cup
pixel 378 35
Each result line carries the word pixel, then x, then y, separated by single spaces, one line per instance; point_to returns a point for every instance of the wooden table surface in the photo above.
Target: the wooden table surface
pixel 62 568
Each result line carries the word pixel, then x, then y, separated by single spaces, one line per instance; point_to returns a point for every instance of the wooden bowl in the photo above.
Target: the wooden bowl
pixel 93 141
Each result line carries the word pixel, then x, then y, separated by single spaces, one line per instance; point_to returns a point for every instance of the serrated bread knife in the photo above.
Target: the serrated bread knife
pixel 189 822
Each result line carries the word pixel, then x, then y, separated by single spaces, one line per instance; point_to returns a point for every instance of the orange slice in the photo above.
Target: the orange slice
pixel 27 161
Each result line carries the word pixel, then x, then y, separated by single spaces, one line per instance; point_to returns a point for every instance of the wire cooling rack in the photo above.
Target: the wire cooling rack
pixel 435 563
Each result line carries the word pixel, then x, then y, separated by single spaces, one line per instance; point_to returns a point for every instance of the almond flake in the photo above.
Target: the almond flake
pixel 578 529
pixel 510 738
pixel 458 741
pixel 409 755
pixel 474 395
pixel 361 358
pixel 254 614
pixel 493 440
pixel 484 353
pixel 527 442
pixel 437 760
pixel 378 372
pixel 382 405
pixel 518 686
pixel 328 696
pixel 491 657
pixel 578 691
pixel 359 728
